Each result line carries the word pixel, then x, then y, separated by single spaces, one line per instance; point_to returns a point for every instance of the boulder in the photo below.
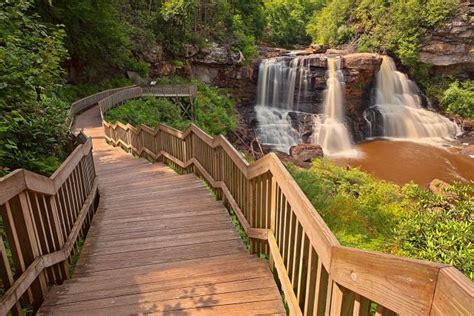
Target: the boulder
pixel 438 187
pixel 285 158
pixel 468 151
pixel 306 152
pixel 218 55
pixel 135 78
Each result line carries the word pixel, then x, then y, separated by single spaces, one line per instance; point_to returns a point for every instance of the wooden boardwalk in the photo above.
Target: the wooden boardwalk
pixel 165 247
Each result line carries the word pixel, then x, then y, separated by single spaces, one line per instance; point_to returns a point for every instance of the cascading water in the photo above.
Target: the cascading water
pixel 283 84
pixel 329 130
pixel 398 112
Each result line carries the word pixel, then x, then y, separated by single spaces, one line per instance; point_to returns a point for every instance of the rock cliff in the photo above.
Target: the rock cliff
pixel 450 47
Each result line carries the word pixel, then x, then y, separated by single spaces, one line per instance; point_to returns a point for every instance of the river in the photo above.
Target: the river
pixel 403 161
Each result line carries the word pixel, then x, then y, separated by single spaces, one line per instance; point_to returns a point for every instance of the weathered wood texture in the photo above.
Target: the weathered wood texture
pixel 317 275
pixel 43 219
pixel 159 243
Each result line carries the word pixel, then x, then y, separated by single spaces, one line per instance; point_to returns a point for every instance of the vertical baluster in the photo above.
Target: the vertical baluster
pixel 6 274
pixel 311 281
pixel 21 229
pixel 361 306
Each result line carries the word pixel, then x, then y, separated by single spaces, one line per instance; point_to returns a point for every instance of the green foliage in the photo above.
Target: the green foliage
pixel 33 126
pixel 361 210
pixel 368 213
pixel 459 98
pixel 245 42
pixel 287 20
pixel 34 136
pixel 396 26
pixel 30 55
pixel 328 25
pixel 214 111
pixel 73 92
pixel 148 111
pixel 441 228
pixel 97 40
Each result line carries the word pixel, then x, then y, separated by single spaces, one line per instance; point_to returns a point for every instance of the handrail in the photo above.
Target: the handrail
pixel 43 219
pixel 317 274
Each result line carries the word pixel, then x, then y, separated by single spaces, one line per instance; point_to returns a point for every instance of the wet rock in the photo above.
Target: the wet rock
pixel 468 151
pixel 306 152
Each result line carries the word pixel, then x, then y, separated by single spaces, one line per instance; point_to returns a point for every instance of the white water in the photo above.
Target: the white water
pixel 277 85
pixel 399 105
pixel 284 86
pixel 329 130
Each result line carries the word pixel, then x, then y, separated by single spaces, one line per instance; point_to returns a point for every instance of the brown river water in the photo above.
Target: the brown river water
pixel 402 162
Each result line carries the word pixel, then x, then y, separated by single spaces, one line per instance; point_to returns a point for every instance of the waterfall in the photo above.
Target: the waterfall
pixel 285 86
pixel 398 111
pixel 281 81
pixel 329 130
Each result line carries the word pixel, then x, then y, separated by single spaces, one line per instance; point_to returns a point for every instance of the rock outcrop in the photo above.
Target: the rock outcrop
pixel 449 48
pixel 306 152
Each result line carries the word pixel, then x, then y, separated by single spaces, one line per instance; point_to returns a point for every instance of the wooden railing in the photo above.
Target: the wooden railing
pixel 42 221
pixel 318 276
pixel 135 92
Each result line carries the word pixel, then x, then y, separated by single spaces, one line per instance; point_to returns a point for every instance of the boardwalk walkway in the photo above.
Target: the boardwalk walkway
pixel 165 247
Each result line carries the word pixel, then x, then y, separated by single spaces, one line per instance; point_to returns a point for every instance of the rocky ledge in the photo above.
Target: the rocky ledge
pixel 449 48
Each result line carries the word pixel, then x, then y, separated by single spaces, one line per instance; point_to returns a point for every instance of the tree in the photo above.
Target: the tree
pixel 97 39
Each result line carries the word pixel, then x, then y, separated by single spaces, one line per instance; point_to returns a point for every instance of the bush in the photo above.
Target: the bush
pixel 35 137
pixel 368 213
pixel 440 228
pixel 215 112
pixel 361 210
pixel 72 93
pixel 459 98
pixel 148 111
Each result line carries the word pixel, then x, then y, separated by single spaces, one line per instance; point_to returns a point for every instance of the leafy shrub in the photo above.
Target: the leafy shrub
pixel 459 98
pixel 440 228
pixel 33 126
pixel 35 137
pixel 361 210
pixel 214 111
pixel 72 93
pixel 148 111
pixel 368 213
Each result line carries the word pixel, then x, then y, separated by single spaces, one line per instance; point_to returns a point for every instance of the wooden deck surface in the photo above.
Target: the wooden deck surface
pixel 159 243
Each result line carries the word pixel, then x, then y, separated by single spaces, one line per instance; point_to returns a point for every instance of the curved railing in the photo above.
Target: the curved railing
pixel 317 275
pixel 43 220
pixel 123 95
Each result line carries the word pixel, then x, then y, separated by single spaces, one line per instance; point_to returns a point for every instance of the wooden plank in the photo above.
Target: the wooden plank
pixel 403 285
pixel 283 277
pixel 454 294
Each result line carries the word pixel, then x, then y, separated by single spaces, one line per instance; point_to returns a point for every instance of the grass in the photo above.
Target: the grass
pixel 75 257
